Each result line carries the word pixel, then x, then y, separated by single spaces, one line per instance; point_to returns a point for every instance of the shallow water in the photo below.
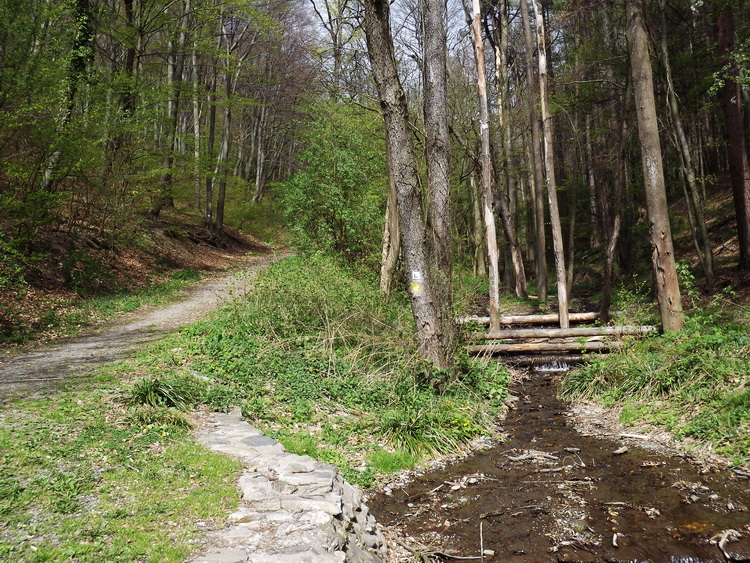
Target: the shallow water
pixel 549 493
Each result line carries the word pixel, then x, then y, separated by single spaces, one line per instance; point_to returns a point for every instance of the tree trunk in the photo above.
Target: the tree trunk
pixel 739 167
pixel 430 331
pixel 175 61
pixel 547 318
pixel 613 212
pixel 221 164
pixel 196 127
pixel 667 287
pixel 595 225
pixel 261 154
pixel 486 178
pixel 479 262
pixel 693 202
pixel 211 141
pixel 391 235
pixel 501 199
pixel 540 245
pixel 437 153
pixel 549 165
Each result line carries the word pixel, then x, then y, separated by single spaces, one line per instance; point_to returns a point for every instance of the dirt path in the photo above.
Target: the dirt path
pixel 38 369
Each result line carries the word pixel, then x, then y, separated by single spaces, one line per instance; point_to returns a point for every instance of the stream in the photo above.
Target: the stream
pixel 550 493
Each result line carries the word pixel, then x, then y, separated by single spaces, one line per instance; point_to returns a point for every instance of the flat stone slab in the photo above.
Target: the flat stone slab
pixel 293 508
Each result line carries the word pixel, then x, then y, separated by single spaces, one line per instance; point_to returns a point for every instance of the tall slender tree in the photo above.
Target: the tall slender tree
pixel 549 167
pixel 486 167
pixel 540 244
pixel 662 251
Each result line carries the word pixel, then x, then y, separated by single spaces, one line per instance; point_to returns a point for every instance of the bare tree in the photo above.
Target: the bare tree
pixel 486 166
pixel 549 166
pixel 540 244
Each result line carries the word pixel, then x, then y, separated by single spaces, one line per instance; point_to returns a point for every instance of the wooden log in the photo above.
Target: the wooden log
pixel 528 347
pixel 548 318
pixel 538 360
pixel 622 330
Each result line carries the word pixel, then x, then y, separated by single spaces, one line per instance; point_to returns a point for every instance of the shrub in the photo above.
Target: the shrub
pixel 336 202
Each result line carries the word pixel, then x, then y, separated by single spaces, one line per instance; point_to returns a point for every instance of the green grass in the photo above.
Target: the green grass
pixel 317 358
pixel 84 478
pixel 693 382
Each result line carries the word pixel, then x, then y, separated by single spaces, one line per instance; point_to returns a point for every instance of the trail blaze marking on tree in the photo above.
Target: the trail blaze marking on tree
pixel 416 282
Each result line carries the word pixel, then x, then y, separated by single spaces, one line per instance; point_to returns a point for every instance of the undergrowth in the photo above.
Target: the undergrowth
pixel 694 382
pixel 320 360
pixel 84 477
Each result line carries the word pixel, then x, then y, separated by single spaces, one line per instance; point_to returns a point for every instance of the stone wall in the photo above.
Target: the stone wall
pixel 293 509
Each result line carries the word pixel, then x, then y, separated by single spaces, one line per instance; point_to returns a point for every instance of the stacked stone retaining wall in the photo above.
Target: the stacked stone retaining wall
pixel 293 509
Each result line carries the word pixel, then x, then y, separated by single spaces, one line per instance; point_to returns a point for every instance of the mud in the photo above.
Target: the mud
pixel 551 493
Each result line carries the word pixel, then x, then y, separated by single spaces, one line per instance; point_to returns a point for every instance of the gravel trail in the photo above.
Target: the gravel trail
pixel 38 369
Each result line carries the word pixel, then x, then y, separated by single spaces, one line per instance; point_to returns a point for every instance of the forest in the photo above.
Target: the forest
pixel 424 161
pixel 519 148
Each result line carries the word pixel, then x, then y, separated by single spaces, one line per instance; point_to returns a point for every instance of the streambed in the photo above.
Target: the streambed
pixel 551 493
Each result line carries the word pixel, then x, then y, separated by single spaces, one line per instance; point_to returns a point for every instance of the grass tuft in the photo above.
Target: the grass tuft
pixel 693 382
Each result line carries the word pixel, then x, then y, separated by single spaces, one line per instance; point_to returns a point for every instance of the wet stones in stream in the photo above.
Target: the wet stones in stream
pixel 550 493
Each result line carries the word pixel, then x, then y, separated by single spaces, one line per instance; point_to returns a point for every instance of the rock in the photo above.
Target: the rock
pixel 223 556
pixel 293 508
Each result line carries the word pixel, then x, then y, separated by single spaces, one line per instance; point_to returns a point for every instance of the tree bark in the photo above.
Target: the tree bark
pixel 391 234
pixel 196 125
pixel 521 347
pixel 437 154
pixel 667 287
pixel 479 262
pixel 549 165
pixel 586 331
pixel 433 341
pixel 211 138
pixel 739 167
pixel 532 319
pixel 175 62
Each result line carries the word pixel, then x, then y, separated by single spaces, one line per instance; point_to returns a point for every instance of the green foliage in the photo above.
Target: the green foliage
pixel 319 359
pixel 390 462
pixel 158 416
pixel 12 265
pixel 83 479
pixel 336 201
pixel 692 381
pixel 177 392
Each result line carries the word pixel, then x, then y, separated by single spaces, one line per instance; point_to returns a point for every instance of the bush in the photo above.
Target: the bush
pixel 336 202
pixel 176 392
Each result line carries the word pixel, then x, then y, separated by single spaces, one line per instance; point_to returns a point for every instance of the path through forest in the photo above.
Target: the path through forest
pixel 38 369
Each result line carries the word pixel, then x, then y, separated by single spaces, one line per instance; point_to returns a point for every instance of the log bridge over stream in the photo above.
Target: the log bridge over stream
pixel 542 344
